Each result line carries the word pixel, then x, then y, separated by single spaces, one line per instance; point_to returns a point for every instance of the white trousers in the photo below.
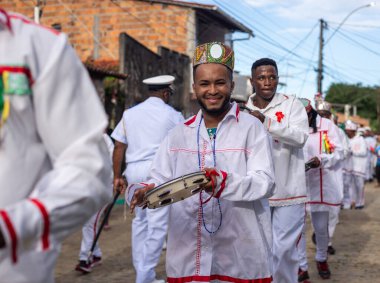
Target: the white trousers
pixel 333 221
pixel 347 179
pixel 149 229
pixel 287 226
pixel 320 222
pixel 357 190
pixel 89 230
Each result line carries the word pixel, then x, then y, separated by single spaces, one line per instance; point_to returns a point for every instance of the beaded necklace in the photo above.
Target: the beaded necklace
pixel 201 168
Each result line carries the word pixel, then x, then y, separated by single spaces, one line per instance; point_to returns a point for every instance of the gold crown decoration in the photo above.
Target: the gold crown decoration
pixel 214 52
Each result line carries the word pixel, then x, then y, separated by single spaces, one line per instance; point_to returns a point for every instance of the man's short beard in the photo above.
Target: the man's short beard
pixel 215 112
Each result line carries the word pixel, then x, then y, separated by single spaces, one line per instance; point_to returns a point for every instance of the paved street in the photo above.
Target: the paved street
pixel 357 241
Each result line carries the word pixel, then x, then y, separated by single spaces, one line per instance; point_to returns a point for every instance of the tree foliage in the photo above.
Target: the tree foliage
pixel 364 97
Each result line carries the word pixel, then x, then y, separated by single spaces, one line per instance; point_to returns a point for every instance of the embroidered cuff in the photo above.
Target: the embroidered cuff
pixel 221 179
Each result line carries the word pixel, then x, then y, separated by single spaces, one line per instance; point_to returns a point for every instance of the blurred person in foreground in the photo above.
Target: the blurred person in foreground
pixel 54 164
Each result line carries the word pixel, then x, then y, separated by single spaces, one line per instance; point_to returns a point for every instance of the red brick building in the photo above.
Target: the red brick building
pixel 93 27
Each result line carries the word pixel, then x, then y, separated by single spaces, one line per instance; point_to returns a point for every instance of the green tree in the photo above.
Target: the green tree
pixel 364 97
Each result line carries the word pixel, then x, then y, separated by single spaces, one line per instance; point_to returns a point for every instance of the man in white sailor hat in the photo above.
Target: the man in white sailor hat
pixel 359 165
pixel 137 137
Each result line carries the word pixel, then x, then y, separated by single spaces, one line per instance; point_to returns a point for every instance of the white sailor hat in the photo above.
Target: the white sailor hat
pixel 361 130
pixel 159 82
pixel 349 125
pixel 323 105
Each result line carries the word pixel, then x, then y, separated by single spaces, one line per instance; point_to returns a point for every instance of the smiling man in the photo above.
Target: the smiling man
pixel 223 233
pixel 286 121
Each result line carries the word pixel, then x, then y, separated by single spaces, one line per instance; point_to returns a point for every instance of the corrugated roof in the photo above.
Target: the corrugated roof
pixel 105 68
pixel 231 22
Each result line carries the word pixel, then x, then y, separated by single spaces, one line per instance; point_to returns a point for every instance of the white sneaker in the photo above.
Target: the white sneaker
pixel 158 281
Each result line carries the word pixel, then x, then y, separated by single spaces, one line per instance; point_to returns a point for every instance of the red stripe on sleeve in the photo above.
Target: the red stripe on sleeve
pixel 12 233
pixel 46 229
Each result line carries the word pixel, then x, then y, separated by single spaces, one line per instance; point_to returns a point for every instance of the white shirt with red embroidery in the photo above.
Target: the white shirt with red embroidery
pixel 55 169
pixel 240 250
pixel 323 182
pixel 287 123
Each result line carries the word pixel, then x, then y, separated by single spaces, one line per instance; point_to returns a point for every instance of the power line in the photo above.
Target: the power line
pixel 258 32
pixel 87 30
pixel 354 25
pixel 301 41
pixel 357 43
pixel 361 35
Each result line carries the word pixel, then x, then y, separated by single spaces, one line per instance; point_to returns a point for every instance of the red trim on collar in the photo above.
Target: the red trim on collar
pixel 7 22
pixel 191 120
pixel 237 113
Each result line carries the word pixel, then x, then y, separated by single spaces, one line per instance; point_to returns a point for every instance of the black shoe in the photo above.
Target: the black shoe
pixel 303 276
pixel 313 239
pixel 331 250
pixel 323 269
pixel 84 267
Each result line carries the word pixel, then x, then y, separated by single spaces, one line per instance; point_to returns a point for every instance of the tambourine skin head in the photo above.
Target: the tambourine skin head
pixel 176 190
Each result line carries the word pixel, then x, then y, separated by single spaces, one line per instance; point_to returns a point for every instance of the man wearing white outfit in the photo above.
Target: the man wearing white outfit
pixel 54 166
pixel 285 119
pixel 324 110
pixel 91 228
pixel 221 234
pixel 323 150
pixel 359 166
pixel 371 145
pixel 138 136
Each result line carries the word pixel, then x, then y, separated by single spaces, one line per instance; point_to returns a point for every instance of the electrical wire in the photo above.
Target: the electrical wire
pixel 87 30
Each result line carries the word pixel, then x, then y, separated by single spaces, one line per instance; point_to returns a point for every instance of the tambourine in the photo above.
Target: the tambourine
pixel 176 190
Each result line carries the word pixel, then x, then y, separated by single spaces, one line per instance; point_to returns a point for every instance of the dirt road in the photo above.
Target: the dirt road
pixel 357 241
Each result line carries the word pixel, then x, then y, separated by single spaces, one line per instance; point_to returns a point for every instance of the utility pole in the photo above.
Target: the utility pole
pixel 38 10
pixel 322 25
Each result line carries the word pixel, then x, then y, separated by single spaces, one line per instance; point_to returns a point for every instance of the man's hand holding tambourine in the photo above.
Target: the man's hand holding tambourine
pixel 139 197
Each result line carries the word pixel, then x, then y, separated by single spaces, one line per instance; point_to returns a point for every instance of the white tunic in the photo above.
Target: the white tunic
pixel 286 121
pixel 55 168
pixel 241 249
pixel 323 182
pixel 339 166
pixel 359 156
pixel 144 126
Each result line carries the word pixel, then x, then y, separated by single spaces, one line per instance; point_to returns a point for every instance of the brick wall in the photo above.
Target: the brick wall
pixel 150 24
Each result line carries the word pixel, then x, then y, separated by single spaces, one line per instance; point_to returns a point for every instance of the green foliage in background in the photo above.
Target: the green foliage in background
pixel 364 97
